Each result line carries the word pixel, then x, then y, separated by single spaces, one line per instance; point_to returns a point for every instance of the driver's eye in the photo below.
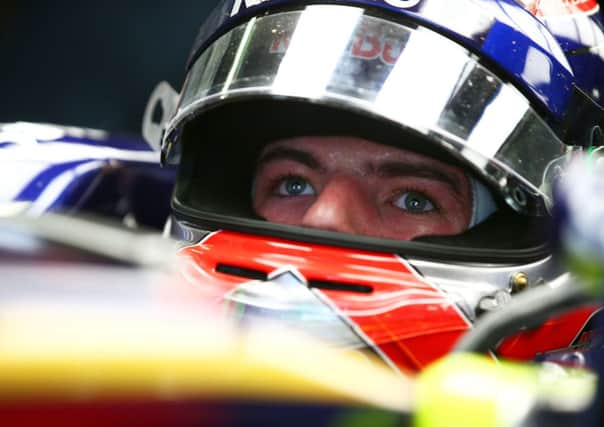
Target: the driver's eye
pixel 294 186
pixel 414 202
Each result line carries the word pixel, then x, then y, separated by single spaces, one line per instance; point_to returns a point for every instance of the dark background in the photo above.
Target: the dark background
pixel 92 64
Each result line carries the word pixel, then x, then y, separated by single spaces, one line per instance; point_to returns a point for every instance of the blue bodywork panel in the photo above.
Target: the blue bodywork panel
pixel 48 168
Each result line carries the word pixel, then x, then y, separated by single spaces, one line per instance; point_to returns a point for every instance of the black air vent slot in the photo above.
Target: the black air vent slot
pixel 248 273
pixel 252 274
pixel 336 286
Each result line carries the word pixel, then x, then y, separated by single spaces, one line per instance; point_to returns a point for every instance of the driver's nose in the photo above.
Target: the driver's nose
pixel 343 205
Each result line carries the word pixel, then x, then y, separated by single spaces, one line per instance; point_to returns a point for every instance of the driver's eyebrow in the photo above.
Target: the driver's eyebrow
pixel 387 169
pixel 393 169
pixel 287 153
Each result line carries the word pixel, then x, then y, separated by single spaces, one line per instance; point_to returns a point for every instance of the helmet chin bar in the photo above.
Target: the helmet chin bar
pixel 262 293
pixel 472 284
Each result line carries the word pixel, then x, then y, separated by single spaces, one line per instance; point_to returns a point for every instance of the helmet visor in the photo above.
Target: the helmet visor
pixel 410 76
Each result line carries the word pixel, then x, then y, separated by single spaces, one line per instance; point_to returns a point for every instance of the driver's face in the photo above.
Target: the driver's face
pixel 352 185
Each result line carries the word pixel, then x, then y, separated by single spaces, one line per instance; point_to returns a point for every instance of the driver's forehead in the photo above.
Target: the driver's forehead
pixel 358 153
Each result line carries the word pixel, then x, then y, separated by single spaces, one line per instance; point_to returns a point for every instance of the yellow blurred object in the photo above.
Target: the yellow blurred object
pixel 76 352
pixel 471 390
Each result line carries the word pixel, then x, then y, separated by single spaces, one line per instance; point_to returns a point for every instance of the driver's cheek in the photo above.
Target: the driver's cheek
pixel 344 204
pixel 405 225
pixel 283 210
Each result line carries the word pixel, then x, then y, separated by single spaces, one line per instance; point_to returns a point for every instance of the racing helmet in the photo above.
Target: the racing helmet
pixel 507 90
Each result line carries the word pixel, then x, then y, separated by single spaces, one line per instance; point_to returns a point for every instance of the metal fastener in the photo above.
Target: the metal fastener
pixel 519 282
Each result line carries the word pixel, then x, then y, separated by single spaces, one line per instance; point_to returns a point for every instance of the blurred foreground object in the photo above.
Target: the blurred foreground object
pixel 89 336
pixel 580 214
pixel 470 390
pixel 94 365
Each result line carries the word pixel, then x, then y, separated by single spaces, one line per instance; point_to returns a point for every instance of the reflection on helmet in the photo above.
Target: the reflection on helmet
pixel 350 131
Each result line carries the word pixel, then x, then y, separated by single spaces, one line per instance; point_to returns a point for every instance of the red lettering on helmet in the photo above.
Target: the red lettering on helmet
pixel 366 46
pixel 391 51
